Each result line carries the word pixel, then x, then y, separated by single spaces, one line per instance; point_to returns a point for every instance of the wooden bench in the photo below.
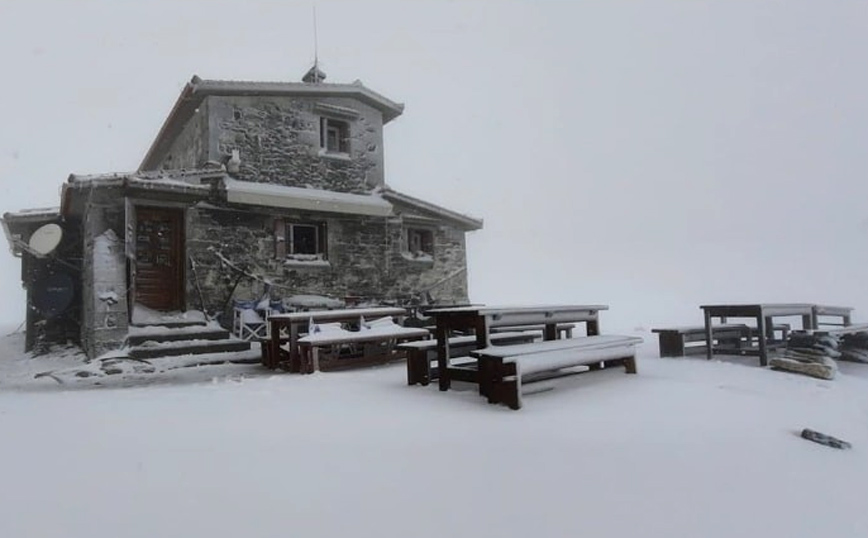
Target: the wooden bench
pixel 673 340
pixel 503 370
pixel 379 343
pixel 422 353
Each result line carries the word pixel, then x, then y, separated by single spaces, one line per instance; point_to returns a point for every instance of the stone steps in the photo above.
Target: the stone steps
pixel 190 332
pixel 182 339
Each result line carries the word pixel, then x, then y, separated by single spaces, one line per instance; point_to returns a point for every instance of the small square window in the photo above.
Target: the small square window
pixel 420 242
pixel 303 239
pixel 300 240
pixel 334 135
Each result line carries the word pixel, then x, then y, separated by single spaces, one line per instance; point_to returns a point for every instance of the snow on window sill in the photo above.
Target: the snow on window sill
pixel 336 155
pixel 306 260
pixel 419 257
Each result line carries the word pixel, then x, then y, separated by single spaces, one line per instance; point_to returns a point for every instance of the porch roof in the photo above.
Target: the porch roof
pixel 267 195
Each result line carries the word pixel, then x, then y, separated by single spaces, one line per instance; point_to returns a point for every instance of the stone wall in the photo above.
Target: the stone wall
pixel 104 281
pixel 278 141
pixel 365 259
pixel 190 149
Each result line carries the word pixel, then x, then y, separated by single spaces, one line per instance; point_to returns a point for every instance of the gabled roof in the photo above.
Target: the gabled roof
pixel 466 222
pixel 197 90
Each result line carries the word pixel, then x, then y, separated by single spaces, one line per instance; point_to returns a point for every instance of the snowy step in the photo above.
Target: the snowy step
pixel 250 356
pixel 140 335
pixel 152 349
pixel 172 324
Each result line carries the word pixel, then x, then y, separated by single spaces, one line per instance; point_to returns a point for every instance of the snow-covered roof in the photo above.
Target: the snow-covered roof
pixel 166 182
pixel 197 90
pixel 35 214
pixel 268 195
pixel 178 185
pixel 15 224
pixel 465 221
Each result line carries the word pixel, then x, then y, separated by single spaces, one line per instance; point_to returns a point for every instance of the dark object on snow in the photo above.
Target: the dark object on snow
pixel 824 439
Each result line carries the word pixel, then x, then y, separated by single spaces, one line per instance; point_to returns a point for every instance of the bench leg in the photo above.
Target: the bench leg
pixel 629 364
pixel 418 367
pixel 511 393
pixel 504 385
pixel 671 345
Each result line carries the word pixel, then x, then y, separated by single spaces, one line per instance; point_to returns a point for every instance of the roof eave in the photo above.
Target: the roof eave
pixel 464 221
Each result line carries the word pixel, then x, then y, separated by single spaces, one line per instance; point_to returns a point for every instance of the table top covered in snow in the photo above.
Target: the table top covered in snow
pixel 513 315
pixel 343 314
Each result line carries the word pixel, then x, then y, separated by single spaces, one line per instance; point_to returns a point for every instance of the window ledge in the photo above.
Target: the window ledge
pixel 306 262
pixel 336 155
pixel 425 259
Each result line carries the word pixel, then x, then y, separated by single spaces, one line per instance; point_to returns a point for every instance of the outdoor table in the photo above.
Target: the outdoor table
pixel 481 319
pixel 827 311
pixel 763 314
pixel 294 321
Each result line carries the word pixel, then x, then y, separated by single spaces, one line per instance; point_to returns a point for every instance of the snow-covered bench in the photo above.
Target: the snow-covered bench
pixel 730 336
pixel 503 370
pixel 421 353
pixel 673 340
pixel 378 339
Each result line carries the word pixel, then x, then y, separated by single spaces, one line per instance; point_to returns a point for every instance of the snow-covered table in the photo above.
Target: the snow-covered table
pixel 481 319
pixel 378 340
pixel 287 328
pixel 763 314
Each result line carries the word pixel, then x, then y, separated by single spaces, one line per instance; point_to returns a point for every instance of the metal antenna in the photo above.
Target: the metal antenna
pixel 315 49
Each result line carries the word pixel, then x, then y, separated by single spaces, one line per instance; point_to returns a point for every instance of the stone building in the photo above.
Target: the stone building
pixel 249 188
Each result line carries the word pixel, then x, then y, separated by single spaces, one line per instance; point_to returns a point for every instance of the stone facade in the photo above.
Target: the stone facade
pixel 366 257
pixel 319 150
pixel 278 141
pixel 104 280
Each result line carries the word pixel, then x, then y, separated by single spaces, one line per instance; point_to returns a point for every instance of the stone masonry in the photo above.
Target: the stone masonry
pixel 277 140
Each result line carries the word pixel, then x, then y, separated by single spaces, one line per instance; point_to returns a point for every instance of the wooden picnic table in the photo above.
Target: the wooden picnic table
pixel 481 319
pixel 293 322
pixel 763 314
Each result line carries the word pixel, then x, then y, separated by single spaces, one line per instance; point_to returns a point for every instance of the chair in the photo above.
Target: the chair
pixel 247 324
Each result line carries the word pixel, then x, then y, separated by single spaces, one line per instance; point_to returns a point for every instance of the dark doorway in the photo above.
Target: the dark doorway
pixel 160 258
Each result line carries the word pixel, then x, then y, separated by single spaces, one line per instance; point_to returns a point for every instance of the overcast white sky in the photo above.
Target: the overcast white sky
pixel 653 156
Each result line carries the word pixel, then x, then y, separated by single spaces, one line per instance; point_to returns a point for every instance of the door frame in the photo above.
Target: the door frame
pixel 131 222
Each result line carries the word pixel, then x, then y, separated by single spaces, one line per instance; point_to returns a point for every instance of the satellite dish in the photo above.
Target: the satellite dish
pixel 45 239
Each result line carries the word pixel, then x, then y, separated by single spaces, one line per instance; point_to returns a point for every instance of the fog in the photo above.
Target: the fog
pixel 653 156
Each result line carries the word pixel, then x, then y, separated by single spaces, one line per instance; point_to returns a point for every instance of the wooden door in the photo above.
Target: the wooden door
pixel 159 270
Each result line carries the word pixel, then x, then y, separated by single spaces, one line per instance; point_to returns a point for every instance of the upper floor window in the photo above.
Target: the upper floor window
pixel 420 243
pixel 334 135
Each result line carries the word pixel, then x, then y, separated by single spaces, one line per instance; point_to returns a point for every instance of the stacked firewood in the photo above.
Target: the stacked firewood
pixel 810 354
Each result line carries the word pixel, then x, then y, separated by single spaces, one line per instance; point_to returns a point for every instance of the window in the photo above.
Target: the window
pixel 420 242
pixel 303 239
pixel 334 136
pixel 300 241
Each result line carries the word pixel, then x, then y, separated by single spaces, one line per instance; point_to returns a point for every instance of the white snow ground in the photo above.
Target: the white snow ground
pixel 686 448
